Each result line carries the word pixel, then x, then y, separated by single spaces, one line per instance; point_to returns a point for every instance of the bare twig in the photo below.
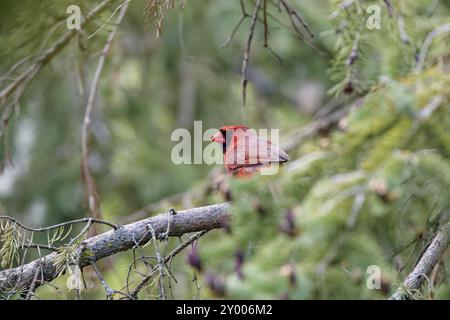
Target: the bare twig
pixel 267 33
pixel 295 16
pixel 236 27
pixel 264 21
pixel 14 68
pixel 35 279
pixel 167 258
pixel 92 194
pixel 59 225
pixel 40 246
pixel 109 291
pixel 160 266
pixel 266 26
pixel 38 271
pixel 109 19
pixel 244 69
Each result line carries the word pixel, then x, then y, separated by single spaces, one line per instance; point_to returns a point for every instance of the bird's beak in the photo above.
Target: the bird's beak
pixel 218 137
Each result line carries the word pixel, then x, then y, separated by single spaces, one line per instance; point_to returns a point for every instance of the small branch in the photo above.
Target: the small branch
pixel 187 242
pixel 266 25
pixel 109 19
pixel 34 282
pixel 429 259
pixel 236 27
pixel 267 33
pixel 56 226
pixel 244 69
pixel 264 21
pixel 160 266
pixel 26 76
pixel 94 205
pixel 109 291
pixel 354 53
pixel 40 246
pixel 14 68
pixel 427 43
pixel 167 258
pixel 295 16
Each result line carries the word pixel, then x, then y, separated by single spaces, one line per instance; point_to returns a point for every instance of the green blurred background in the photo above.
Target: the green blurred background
pixel 150 86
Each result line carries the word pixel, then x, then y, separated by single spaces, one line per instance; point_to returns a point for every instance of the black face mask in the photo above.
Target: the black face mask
pixel 228 134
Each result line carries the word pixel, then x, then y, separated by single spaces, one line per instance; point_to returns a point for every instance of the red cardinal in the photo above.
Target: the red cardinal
pixel 244 152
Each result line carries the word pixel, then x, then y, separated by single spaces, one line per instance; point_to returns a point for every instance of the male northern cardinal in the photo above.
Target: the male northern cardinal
pixel 244 152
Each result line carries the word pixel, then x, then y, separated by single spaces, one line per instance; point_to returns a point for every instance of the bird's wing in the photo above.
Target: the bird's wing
pixel 248 149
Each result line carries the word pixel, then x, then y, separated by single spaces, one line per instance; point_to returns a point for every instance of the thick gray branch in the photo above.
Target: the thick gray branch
pixel 124 238
pixel 427 262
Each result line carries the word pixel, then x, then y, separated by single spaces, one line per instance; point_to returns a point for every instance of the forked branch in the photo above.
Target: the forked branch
pixel 114 241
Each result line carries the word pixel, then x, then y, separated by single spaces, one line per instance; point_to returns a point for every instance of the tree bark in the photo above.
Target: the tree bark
pixel 114 241
pixel 427 262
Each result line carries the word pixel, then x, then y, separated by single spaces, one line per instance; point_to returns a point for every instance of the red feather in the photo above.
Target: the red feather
pixel 245 152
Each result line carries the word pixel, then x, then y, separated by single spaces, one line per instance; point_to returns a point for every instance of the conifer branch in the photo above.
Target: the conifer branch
pixel 244 80
pixel 114 241
pixel 11 94
pixel 428 260
pixel 91 188
pixel 42 60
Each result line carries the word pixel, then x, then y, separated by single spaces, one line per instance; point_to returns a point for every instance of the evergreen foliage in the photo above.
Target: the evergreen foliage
pixel 371 191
